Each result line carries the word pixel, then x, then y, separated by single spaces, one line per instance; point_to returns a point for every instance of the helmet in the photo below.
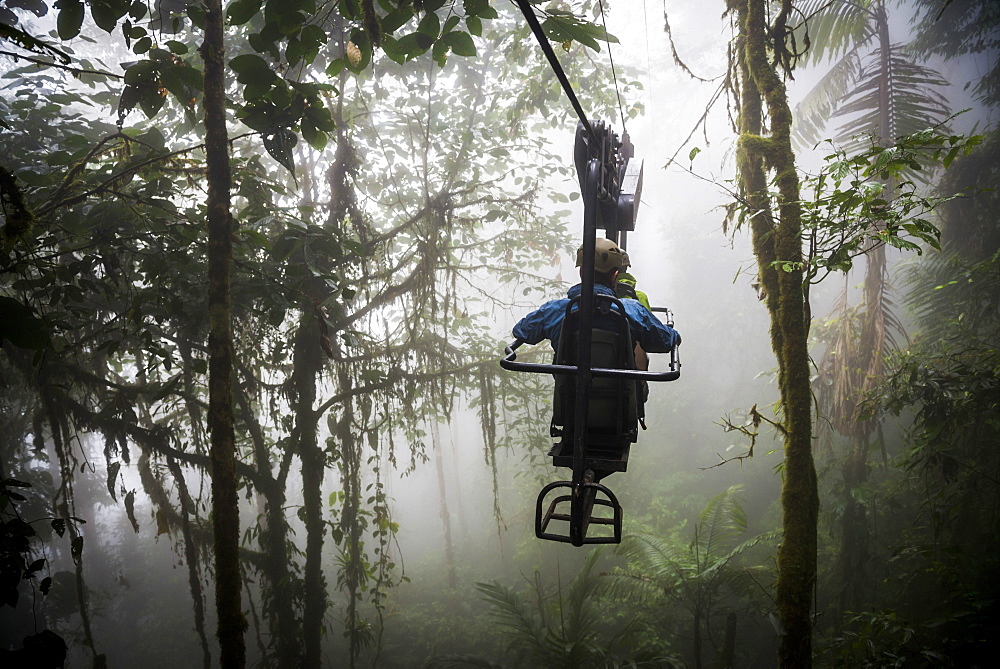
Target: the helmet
pixel 607 256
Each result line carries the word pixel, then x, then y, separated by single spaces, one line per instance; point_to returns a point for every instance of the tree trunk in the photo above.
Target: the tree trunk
pixel 308 362
pixel 696 638
pixel 727 654
pixel 449 549
pixel 353 575
pixel 778 239
pixel 279 604
pixel 225 506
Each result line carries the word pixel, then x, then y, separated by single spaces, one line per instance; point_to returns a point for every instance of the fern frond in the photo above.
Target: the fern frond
pixel 720 523
pixel 515 616
pixel 630 586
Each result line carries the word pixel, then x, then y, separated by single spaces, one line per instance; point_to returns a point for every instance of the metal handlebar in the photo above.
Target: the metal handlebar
pixel 509 361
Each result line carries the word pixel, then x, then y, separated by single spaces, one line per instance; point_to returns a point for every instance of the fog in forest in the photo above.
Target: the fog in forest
pixel 403 191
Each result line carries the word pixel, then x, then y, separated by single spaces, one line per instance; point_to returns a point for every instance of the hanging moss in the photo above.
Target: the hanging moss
pixel 193 561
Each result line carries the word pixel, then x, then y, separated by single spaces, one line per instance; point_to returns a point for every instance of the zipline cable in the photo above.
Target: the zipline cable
pixel 543 41
pixel 611 58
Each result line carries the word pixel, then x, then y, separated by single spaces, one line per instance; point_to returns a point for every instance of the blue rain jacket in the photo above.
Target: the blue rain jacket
pixel 647 329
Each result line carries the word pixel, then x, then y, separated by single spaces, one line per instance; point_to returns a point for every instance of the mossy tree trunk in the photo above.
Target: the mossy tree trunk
pixel 763 154
pixel 225 508
pixel 308 365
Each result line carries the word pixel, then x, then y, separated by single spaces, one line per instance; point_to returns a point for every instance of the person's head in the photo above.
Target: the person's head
pixel 609 259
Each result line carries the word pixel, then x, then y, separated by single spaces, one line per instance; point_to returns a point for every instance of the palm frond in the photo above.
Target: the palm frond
pixel 833 28
pixel 968 27
pixel 582 618
pixel 914 102
pixel 950 297
pixel 813 112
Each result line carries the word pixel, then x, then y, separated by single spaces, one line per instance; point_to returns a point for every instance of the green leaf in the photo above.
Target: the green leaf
pixel 480 8
pixel 475 25
pixel 396 19
pixel 183 82
pixel 142 72
pixel 564 27
pixel 130 510
pixel 251 68
pixel 414 44
pixel 279 146
pixel 34 567
pixel 275 317
pixel 113 478
pixel 196 13
pixel 70 18
pixel 440 53
pixel 242 11
pixel 142 45
pixel 259 117
pixel 313 38
pixel 430 25
pixel 312 135
pixel 461 43
pixel 76 549
pixel 128 100
pixel 107 12
pixel 294 51
pixel 179 48
pixel 450 24
pixel 151 100
pixel 320 117
pixel 284 246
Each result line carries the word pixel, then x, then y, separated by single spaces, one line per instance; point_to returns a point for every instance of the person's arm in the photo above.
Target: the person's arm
pixel 653 335
pixel 536 326
pixel 641 359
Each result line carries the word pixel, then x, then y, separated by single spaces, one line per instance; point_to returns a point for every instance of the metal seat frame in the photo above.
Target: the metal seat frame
pixel 603 168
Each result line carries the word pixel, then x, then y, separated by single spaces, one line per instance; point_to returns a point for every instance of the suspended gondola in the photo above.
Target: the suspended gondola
pixel 595 406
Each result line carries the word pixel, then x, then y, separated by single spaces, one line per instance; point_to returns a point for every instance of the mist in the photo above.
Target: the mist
pixel 402 193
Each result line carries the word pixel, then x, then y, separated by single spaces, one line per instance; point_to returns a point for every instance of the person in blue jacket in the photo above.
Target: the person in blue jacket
pixel 647 330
